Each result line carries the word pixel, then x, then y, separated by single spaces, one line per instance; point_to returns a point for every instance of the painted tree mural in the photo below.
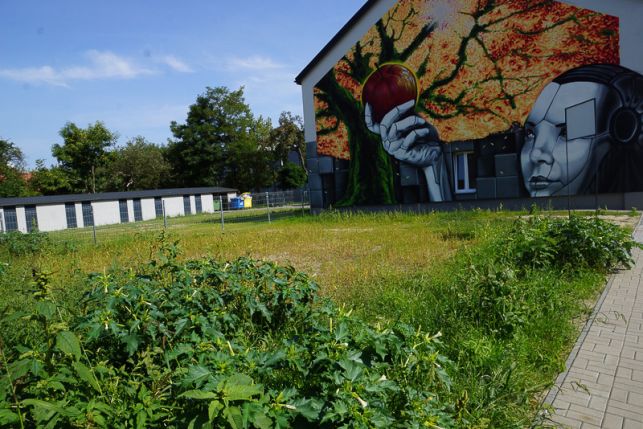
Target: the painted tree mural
pixel 479 64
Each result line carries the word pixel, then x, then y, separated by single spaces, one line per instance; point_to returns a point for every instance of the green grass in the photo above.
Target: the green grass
pixel 431 270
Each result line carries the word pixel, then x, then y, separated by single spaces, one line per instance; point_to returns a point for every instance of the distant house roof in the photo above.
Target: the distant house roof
pixel 360 13
pixel 110 196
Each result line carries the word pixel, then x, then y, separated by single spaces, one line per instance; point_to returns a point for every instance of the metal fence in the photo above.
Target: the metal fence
pixel 225 215
pixel 262 207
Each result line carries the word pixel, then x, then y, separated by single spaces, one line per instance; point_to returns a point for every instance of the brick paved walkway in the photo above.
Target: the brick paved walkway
pixel 603 386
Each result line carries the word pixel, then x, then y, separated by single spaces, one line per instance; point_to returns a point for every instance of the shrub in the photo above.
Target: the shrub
pixel 495 290
pixel 568 242
pixel 19 244
pixel 209 344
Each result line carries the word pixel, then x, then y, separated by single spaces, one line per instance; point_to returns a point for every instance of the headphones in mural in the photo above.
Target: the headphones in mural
pixel 625 123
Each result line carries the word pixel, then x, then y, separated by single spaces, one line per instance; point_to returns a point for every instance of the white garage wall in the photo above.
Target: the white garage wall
pixel 51 217
pixel 106 213
pixel 192 205
pixel 208 203
pixel 22 220
pixel 130 210
pixel 79 215
pixel 147 207
pixel 173 206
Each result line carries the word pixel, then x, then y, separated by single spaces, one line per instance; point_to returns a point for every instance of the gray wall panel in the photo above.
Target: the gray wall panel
pixel 315 182
pixel 507 187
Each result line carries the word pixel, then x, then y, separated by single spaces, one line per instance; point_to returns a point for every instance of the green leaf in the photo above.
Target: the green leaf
pixel 341 332
pixel 239 387
pixel 240 379
pixel 237 392
pixel 7 417
pixel 14 316
pixel 213 410
pixel 68 343
pixel 99 420
pixel 141 420
pixel 179 326
pixel 234 417
pixel 56 385
pixel 309 408
pixel 196 374
pixel 20 368
pixel 131 343
pixel 198 394
pixel 352 369
pixel 86 375
pixel 43 404
pixel 261 421
pixel 36 367
pixel 47 309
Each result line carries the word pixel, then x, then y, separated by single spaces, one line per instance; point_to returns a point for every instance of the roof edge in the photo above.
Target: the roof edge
pixel 330 45
pixel 109 196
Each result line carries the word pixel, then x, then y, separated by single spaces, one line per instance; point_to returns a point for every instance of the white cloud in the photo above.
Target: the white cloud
pixel 102 65
pixel 44 74
pixel 175 64
pixel 255 62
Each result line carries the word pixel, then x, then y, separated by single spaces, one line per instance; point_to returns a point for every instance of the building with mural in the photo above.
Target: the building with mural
pixel 439 101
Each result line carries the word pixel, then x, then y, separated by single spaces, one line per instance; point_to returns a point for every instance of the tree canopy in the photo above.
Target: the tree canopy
pixel 198 153
pixel 138 165
pixel 50 181
pixel 288 137
pixel 12 177
pixel 83 151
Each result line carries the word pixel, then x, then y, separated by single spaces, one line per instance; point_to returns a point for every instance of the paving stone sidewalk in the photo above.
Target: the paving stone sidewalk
pixel 603 386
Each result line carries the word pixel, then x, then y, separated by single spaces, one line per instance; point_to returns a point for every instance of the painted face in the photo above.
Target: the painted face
pixel 546 154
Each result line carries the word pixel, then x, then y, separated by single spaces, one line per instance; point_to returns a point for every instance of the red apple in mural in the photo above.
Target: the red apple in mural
pixel 389 86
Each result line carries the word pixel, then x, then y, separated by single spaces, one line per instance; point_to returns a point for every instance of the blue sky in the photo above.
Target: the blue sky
pixel 137 65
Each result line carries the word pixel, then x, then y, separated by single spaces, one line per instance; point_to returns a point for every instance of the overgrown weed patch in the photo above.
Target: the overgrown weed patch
pixel 506 294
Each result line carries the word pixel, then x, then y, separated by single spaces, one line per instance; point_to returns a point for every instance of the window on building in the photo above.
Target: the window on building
pixel 158 206
pixel 464 172
pixel 88 214
pixel 32 218
pixel 70 213
pixel 138 211
pixel 10 219
pixel 122 208
pixel 187 209
pixel 197 204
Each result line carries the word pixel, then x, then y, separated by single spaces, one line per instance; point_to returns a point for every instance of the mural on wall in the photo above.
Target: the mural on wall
pixel 432 73
pixel 607 158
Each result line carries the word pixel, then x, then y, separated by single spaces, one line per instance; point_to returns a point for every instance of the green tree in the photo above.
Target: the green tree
pixel 12 178
pixel 50 181
pixel 136 166
pixel 83 151
pixel 200 149
pixel 249 162
pixel 287 137
pixel 292 176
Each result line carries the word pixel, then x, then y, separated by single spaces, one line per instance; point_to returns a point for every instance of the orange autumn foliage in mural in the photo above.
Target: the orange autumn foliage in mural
pixel 480 64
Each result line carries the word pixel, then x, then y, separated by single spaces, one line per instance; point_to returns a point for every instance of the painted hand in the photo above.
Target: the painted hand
pixel 408 138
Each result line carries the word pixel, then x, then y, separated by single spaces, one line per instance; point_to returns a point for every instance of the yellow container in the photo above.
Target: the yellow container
pixel 247 201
